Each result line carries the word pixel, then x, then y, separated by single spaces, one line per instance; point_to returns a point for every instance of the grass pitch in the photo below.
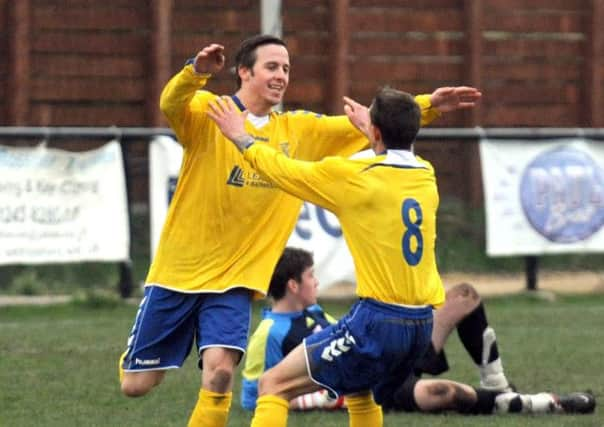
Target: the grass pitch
pixel 58 366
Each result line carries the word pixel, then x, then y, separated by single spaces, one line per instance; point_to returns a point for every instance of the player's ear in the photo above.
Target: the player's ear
pixel 292 285
pixel 244 73
pixel 375 132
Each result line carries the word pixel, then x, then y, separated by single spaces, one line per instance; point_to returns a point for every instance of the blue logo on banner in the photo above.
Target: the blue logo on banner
pixel 334 230
pixel 562 195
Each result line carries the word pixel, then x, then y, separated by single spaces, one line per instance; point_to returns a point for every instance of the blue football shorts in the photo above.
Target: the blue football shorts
pixel 167 321
pixel 374 347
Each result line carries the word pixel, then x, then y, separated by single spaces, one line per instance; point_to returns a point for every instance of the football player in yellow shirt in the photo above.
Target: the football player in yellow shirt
pixel 227 225
pixel 386 206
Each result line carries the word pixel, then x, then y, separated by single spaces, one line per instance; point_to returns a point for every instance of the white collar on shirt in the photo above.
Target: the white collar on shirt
pixel 401 158
pixel 393 157
pixel 258 121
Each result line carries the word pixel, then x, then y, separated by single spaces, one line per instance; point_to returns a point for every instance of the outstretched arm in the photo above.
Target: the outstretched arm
pixel 446 99
pixel 443 99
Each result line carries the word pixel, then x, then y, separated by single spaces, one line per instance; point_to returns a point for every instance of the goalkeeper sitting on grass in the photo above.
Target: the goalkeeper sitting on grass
pixel 295 314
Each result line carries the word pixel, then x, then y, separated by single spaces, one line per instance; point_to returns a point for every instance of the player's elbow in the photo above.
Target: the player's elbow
pixel 169 103
pixel 165 106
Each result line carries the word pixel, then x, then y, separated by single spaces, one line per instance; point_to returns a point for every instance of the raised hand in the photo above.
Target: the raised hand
pixel 210 59
pixel 446 99
pixel 358 114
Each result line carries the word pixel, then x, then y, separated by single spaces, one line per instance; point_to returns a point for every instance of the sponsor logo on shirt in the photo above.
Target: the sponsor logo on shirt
pixel 240 178
pixel 236 177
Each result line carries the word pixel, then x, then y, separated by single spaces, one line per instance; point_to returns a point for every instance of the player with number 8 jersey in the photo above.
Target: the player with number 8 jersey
pixel 394 257
pixel 387 208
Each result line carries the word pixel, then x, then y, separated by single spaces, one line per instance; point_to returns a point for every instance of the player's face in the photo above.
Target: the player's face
pixel 308 287
pixel 269 77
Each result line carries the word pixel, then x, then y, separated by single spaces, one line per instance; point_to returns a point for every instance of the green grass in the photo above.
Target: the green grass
pixel 58 366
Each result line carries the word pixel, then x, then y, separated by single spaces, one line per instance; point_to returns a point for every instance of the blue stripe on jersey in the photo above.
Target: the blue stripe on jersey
pixel 238 102
pixel 393 166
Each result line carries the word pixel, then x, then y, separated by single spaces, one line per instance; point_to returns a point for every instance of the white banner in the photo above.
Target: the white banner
pixel 543 197
pixel 165 156
pixel 60 206
pixel 317 230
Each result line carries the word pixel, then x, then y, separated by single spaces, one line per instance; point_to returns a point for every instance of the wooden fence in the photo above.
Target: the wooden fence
pixel 102 63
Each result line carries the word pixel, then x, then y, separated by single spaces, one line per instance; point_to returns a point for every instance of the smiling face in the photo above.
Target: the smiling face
pixel 267 80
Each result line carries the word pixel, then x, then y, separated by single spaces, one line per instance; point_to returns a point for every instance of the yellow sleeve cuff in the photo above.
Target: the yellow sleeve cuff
pixel 190 70
pixel 429 113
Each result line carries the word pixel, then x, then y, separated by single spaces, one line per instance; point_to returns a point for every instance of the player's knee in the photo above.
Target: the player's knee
pixel 140 383
pixel 220 379
pixel 219 368
pixel 134 388
pixel 434 396
pixel 465 291
pixel 439 390
pixel 445 395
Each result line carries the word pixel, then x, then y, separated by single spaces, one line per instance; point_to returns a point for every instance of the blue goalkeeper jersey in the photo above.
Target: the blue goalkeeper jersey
pixel 277 335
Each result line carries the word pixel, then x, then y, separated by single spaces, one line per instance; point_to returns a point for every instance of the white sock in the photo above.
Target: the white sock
pixel 540 403
pixel 491 373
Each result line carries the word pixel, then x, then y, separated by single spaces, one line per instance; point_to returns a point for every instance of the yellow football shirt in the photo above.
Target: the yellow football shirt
pixel 227 225
pixel 386 206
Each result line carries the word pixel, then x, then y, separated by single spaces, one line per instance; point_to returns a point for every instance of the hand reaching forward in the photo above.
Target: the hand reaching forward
pixel 446 99
pixel 210 59
pixel 230 121
pixel 358 114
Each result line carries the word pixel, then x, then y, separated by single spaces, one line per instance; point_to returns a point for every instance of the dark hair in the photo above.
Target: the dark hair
pixel 397 116
pixel 291 265
pixel 246 54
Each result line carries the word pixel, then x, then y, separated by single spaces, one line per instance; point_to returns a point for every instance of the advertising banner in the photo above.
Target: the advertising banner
pixel 61 206
pixel 543 197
